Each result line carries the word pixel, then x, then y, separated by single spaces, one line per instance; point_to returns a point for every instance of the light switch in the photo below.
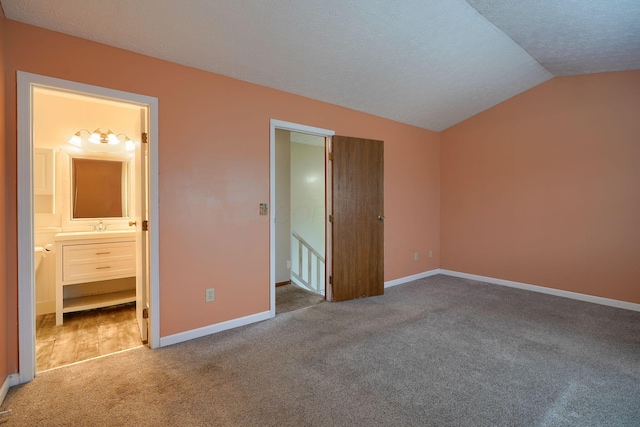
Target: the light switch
pixel 264 209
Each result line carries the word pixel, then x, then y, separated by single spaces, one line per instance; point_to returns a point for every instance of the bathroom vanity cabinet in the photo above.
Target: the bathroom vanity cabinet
pixel 87 257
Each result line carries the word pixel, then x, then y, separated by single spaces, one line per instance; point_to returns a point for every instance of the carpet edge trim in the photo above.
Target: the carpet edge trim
pixel 215 328
pixel 544 290
pixel 411 278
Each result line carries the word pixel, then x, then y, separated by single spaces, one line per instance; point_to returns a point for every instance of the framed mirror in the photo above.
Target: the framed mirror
pixel 99 188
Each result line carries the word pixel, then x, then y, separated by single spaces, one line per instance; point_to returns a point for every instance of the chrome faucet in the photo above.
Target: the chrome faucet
pixel 100 227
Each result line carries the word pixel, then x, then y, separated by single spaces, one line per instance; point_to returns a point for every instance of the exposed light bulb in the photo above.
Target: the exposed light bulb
pixel 129 145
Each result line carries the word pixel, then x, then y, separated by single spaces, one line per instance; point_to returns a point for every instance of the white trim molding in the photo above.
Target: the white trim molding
pixel 10 381
pixel 212 329
pixel 550 291
pixel 411 278
pixel 26 83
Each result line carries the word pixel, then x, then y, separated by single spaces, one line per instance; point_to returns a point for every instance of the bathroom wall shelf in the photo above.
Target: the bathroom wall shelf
pixel 93 257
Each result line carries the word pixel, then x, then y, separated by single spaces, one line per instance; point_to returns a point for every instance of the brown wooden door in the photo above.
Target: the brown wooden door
pixel 357 231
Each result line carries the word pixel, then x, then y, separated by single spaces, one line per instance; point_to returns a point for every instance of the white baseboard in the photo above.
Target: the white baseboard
pixel 212 329
pixel 551 291
pixel 258 317
pixel 407 279
pixel 10 381
pixel 45 307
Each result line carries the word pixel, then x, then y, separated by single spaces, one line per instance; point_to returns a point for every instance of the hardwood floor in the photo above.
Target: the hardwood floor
pixel 84 335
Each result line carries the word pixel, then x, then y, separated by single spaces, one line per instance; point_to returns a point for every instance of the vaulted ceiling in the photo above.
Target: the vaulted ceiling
pixel 429 63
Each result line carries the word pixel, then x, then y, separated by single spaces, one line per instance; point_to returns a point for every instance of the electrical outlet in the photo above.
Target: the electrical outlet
pixel 210 295
pixel 288 265
pixel 415 256
pixel 430 254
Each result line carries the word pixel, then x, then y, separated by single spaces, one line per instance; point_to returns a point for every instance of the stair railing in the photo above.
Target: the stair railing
pixel 309 269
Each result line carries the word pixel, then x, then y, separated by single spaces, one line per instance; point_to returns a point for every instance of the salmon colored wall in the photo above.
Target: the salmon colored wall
pixel 4 303
pixel 214 172
pixel 544 188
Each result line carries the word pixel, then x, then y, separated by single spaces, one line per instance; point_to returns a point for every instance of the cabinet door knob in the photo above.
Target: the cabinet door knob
pixel 132 223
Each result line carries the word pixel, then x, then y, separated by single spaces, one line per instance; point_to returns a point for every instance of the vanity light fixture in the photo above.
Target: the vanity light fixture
pixel 99 136
pixel 76 139
pixel 129 145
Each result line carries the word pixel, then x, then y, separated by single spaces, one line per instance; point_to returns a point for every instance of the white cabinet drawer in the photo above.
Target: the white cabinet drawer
pixel 88 257
pixel 99 270
pixel 98 261
pixel 98 251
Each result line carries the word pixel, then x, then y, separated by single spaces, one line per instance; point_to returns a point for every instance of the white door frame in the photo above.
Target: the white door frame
pixel 293 127
pixel 27 82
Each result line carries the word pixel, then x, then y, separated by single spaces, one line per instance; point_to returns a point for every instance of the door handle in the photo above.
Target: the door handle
pixel 380 217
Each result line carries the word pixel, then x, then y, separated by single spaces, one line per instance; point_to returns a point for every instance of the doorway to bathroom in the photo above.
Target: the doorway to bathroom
pixel 87 172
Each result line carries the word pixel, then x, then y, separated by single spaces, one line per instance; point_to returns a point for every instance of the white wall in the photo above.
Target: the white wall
pixel 299 197
pixel 307 194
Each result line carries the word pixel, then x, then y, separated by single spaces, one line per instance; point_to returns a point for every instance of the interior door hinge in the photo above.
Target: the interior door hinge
pixel 145 225
pixel 144 138
pixel 330 218
pixel 145 313
pixel 331 280
pixel 330 156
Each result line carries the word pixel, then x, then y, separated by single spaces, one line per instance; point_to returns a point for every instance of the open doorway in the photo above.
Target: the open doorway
pixel 298 215
pixel 300 220
pixel 354 225
pixel 87 190
pixel 85 256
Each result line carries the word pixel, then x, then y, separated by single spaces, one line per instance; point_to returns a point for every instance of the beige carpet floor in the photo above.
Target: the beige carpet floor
pixel 440 351
pixel 291 297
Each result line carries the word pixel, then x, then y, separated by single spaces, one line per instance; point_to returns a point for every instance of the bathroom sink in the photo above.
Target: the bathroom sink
pixel 75 235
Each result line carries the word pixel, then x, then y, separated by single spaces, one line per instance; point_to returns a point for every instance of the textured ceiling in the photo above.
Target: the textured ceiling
pixel 427 63
pixel 571 36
